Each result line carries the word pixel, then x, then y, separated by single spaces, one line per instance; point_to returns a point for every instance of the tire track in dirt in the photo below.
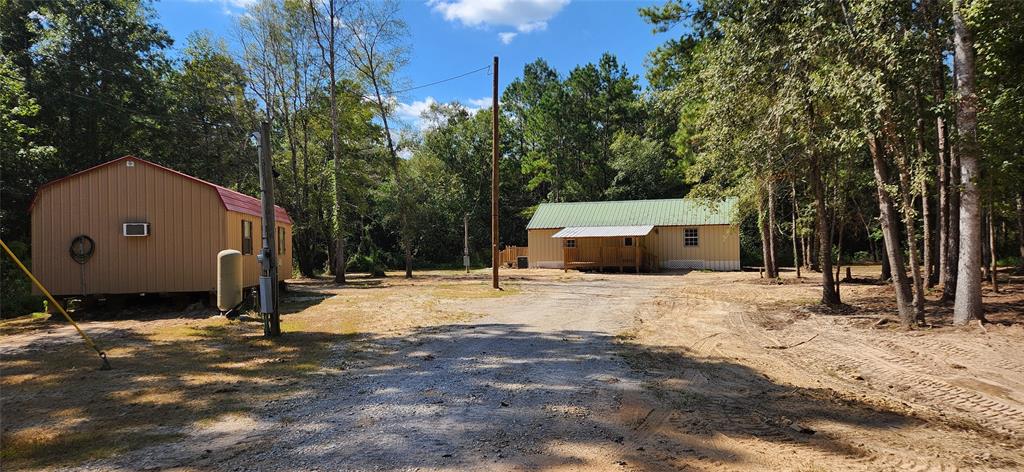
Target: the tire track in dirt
pixel 891 368
pixel 726 421
pixel 961 354
pixel 991 413
pixel 883 361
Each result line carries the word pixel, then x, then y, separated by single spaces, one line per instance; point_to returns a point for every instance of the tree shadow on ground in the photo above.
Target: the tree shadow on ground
pixel 1003 308
pixel 496 395
pixel 459 396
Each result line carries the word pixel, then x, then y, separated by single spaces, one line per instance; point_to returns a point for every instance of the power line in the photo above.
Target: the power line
pixel 393 92
pixel 198 122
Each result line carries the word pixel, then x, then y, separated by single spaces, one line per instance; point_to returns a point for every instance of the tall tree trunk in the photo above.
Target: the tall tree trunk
pixel 985 259
pixel 796 209
pixel 890 232
pixel 762 227
pixel 953 249
pixel 328 53
pixel 937 39
pixel 992 255
pixel 886 266
pixel 907 197
pixel 829 296
pixel 403 211
pixel 339 191
pixel 1020 227
pixel 943 190
pixel 816 246
pixel 766 221
pixel 808 251
pixel 926 214
pixel 771 229
pixel 839 252
pixel 967 305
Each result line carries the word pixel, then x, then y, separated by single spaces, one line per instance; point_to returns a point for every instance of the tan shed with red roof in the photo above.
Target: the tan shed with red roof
pixel 151 229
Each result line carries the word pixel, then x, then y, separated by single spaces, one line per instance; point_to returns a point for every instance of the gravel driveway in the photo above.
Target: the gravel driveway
pixel 613 372
pixel 534 382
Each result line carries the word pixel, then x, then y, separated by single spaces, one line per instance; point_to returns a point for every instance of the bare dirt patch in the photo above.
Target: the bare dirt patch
pixel 561 371
pixel 183 375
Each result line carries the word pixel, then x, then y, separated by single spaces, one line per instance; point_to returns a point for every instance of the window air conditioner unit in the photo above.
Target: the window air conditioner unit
pixel 136 229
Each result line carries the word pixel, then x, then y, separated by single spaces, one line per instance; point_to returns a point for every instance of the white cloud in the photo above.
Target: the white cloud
pixel 228 7
pixel 524 15
pixel 412 112
pixel 475 104
pixel 414 109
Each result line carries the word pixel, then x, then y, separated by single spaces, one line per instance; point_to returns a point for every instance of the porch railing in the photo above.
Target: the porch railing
pixel 508 256
pixel 604 257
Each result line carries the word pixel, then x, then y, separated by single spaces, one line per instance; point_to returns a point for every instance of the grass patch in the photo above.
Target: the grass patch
pixel 172 376
pixel 166 380
pixel 27 449
pixel 23 323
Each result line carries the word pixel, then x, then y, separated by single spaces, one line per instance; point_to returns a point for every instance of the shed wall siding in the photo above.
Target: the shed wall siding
pixel 250 266
pixel 718 248
pixel 186 231
pixel 545 252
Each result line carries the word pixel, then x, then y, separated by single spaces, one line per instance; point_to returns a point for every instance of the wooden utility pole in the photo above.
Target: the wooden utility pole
pixel 465 241
pixel 268 254
pixel 494 177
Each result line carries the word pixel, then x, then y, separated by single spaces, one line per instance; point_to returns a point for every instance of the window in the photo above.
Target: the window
pixel 135 229
pixel 246 237
pixel 280 240
pixel 690 237
pixel 628 242
pixel 570 243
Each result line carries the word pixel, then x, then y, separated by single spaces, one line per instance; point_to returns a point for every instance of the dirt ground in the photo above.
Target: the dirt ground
pixel 694 371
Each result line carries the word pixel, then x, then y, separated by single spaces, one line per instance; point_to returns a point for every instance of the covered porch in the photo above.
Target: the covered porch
pixel 606 247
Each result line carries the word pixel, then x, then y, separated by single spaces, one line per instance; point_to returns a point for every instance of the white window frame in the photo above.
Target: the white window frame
pixel 695 237
pixel 124 229
pixel 247 225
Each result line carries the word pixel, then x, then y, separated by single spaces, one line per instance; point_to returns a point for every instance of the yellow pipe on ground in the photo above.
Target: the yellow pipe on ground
pixel 88 340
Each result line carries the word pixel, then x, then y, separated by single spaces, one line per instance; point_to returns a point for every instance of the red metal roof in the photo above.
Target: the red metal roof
pixel 232 200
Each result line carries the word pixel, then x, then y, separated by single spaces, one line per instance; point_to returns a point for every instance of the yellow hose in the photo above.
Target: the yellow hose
pixel 88 340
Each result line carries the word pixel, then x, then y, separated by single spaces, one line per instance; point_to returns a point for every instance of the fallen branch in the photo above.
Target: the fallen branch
pixel 794 345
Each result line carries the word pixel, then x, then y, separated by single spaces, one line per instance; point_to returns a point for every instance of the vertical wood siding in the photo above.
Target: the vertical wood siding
pixel 545 251
pixel 188 226
pixel 250 266
pixel 718 249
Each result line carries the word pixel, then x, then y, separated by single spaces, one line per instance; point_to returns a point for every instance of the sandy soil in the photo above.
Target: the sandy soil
pixel 697 371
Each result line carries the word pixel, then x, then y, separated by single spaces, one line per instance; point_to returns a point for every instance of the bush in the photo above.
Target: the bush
pixel 372 263
pixel 16 296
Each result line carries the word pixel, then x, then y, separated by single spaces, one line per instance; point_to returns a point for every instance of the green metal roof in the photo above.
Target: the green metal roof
pixel 669 212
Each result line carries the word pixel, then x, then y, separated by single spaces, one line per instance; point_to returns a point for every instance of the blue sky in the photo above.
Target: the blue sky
pixel 450 37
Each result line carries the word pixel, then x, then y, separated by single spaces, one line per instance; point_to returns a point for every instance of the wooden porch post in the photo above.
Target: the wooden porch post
pixel 636 254
pixel 565 256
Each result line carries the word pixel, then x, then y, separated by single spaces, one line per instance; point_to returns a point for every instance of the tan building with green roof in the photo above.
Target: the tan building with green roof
pixel 678 233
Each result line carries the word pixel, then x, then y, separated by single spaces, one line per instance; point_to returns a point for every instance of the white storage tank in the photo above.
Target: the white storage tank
pixel 229 279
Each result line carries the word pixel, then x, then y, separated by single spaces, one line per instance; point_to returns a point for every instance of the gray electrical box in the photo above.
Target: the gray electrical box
pixel 266 294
